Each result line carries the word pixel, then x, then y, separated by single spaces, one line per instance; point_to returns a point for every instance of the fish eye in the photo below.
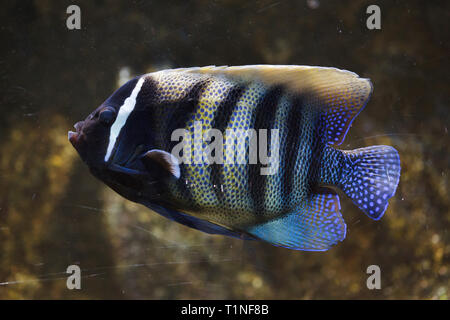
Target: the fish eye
pixel 107 115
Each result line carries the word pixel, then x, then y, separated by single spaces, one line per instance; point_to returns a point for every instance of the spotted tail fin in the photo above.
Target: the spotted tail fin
pixel 370 178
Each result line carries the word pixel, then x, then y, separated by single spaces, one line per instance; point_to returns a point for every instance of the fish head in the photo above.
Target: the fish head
pixel 91 135
pixel 95 135
pixel 115 141
pixel 91 139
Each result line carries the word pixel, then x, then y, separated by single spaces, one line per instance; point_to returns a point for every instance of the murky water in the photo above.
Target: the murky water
pixel 53 213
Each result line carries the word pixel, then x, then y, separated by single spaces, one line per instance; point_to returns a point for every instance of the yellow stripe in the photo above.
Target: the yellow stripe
pixel 235 176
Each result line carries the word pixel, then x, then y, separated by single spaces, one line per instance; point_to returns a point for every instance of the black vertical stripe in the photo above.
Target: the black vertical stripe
pixel 317 150
pixel 264 119
pixel 226 107
pixel 176 116
pixel 220 122
pixel 145 98
pixel 294 127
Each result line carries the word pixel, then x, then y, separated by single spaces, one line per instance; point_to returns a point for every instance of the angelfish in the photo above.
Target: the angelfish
pixel 128 143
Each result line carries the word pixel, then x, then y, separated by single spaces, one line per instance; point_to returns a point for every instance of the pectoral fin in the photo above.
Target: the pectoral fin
pixel 155 160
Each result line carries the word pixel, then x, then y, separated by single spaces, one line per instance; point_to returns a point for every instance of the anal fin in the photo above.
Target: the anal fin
pixel 315 225
pixel 196 223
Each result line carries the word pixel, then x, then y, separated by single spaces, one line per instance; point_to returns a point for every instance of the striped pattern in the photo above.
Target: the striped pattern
pixel 197 174
pixel 236 175
pixel 234 193
pixel 220 122
pixel 311 107
pixel 174 102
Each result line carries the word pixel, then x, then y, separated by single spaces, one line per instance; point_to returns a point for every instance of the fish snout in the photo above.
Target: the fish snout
pixel 73 136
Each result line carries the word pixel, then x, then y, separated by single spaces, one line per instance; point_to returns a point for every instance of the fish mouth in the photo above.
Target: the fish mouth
pixel 74 136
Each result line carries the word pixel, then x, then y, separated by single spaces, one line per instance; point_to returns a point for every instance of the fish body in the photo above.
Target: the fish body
pixel 245 151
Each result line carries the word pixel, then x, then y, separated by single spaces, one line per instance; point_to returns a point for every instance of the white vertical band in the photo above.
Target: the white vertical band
pixel 124 112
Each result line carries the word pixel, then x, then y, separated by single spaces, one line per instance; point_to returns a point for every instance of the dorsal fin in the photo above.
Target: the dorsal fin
pixel 340 94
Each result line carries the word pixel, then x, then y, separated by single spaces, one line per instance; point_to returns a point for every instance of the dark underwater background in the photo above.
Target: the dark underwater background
pixel 54 213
